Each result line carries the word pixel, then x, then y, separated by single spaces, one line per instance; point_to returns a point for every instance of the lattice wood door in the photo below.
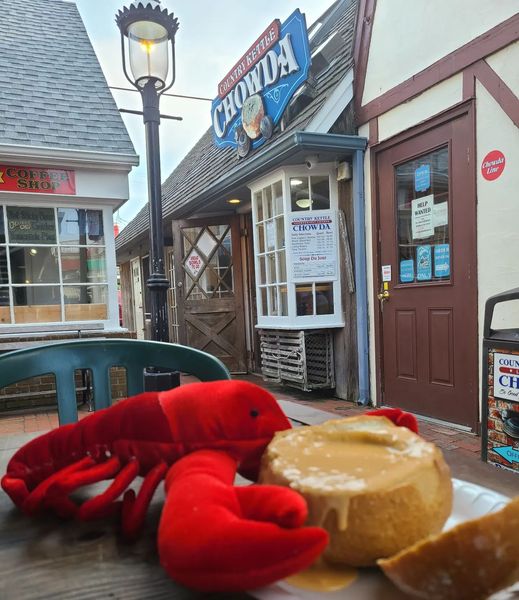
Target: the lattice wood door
pixel 210 298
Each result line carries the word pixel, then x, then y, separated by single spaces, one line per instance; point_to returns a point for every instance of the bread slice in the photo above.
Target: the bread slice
pixel 468 562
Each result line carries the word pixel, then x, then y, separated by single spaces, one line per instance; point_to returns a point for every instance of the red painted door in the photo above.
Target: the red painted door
pixel 427 250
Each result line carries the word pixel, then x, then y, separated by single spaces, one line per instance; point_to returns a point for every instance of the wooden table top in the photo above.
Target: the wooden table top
pixel 48 558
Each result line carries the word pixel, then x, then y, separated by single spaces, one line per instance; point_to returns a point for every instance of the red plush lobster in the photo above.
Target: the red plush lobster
pixel 212 535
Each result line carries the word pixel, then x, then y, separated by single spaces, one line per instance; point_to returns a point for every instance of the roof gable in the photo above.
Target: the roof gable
pixel 53 92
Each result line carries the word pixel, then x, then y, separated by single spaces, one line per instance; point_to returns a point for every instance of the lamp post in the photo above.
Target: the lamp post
pixel 148 45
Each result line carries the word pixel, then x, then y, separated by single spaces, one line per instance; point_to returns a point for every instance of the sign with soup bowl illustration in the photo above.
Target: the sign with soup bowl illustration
pixel 253 96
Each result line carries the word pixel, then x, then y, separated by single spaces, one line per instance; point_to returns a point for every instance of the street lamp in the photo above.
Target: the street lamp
pixel 148 46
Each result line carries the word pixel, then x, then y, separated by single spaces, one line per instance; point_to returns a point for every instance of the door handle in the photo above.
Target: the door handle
pixel 384 295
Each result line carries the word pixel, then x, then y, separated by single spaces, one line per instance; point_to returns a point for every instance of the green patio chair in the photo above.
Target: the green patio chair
pixel 99 356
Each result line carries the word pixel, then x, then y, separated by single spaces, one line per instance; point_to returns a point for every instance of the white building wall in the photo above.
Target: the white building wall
pixel 423 107
pixel 497 201
pixel 410 35
pixel 505 65
pixel 498 210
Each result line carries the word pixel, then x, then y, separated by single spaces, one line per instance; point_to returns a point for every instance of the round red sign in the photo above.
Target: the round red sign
pixel 493 165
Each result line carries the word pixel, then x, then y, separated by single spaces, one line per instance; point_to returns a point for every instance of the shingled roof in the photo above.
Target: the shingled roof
pixel 205 163
pixel 53 93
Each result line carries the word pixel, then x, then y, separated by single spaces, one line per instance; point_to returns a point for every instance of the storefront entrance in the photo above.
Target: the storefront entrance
pixel 427 299
pixel 138 304
pixel 209 285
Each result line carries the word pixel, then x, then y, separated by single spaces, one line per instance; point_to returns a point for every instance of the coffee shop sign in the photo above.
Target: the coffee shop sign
pixel 256 91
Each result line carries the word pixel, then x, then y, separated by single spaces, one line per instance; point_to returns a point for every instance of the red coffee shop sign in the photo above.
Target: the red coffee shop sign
pixel 493 165
pixel 37 180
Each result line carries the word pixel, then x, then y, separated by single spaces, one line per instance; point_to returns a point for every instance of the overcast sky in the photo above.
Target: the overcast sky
pixel 211 38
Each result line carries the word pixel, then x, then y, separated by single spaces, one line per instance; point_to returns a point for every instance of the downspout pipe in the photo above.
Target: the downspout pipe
pixel 361 286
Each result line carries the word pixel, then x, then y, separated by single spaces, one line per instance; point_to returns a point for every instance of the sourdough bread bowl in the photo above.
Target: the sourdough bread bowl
pixel 468 562
pixel 375 487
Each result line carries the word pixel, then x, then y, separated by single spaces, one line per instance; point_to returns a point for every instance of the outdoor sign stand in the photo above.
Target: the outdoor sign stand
pixel 500 428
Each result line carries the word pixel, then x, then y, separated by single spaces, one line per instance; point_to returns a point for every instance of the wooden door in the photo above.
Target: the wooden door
pixel 138 306
pixel 427 254
pixel 209 286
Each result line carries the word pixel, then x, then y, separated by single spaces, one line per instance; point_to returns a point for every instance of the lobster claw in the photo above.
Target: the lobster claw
pixel 214 536
pixel 398 416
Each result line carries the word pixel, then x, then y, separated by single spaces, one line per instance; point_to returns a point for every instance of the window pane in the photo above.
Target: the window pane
pixel 2 226
pixel 259 205
pixel 37 304
pixel 282 264
pixel 304 300
pixel 80 226
pixel 320 192
pixel 271 262
pixel 324 299
pixel 29 225
pixel 263 271
pixel 86 303
pixel 220 273
pixel 267 205
pixel 277 189
pixel 284 301
pixel 83 265
pixel 263 301
pixel 190 234
pixel 34 265
pixel 422 188
pixel 280 232
pixel 273 297
pixel 299 194
pixel 261 238
pixel 5 311
pixel 4 275
pixel 270 228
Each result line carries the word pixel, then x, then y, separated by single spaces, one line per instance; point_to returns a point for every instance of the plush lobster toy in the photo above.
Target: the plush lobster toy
pixel 212 535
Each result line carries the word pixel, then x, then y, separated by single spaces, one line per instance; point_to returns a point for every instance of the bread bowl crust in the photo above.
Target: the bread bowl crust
pixel 468 562
pixel 380 523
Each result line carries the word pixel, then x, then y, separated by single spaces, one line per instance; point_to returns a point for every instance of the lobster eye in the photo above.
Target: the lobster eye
pixel 254 413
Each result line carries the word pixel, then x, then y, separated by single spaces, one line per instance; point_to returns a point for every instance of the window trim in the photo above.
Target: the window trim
pixel 293 321
pixel 112 321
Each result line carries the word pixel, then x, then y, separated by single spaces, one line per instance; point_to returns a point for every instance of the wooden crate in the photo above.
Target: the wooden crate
pixel 302 359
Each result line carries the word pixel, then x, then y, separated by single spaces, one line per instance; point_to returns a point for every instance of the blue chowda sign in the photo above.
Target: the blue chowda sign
pixel 255 93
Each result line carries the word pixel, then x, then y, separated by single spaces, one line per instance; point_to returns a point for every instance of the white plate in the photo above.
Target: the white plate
pixel 470 501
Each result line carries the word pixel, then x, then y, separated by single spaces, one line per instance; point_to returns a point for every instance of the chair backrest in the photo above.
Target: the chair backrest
pixel 99 356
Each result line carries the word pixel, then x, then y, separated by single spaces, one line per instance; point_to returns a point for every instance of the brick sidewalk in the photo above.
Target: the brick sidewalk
pixel 445 437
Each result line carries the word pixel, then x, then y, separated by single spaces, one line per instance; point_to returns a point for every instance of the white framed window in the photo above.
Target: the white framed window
pixel 55 264
pixel 296 248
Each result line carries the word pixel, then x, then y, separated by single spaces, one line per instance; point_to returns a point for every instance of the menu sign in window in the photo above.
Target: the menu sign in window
pixel 31 225
pixel 313 240
pixel 37 180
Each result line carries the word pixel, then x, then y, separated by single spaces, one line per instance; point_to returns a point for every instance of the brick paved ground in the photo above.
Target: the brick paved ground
pixel 461 450
pixel 445 437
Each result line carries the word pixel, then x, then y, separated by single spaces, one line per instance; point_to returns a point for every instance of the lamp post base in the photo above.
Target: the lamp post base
pixel 156 381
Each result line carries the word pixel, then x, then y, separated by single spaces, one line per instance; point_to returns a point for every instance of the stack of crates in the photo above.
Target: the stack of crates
pixel 302 359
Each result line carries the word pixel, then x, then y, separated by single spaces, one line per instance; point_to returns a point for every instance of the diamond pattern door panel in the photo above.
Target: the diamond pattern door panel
pixel 212 291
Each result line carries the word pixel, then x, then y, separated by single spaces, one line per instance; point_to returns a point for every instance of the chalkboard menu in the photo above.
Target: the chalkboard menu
pixel 31 225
